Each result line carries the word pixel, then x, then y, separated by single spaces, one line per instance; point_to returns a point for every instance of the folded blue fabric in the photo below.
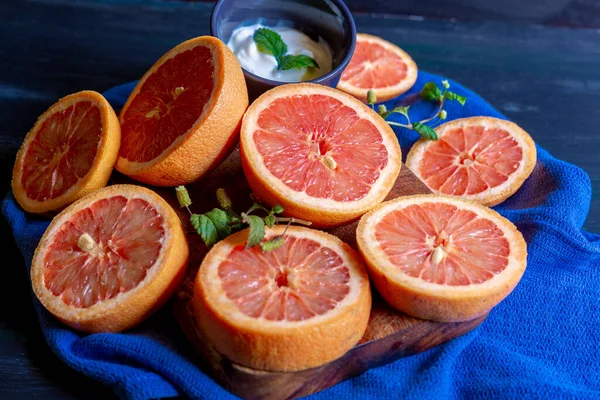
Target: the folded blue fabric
pixel 542 341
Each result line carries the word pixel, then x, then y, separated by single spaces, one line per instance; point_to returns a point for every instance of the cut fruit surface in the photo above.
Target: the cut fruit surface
pixel 183 116
pixel 170 107
pixel 110 259
pixel 479 158
pixel 70 151
pixel 299 306
pixel 378 65
pixel 441 258
pixel 320 153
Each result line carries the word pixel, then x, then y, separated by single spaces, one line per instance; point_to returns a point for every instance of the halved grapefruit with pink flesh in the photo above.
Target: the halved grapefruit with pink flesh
pixel 110 259
pixel 184 115
pixel 380 66
pixel 479 158
pixel 70 152
pixel 320 153
pixel 441 258
pixel 299 306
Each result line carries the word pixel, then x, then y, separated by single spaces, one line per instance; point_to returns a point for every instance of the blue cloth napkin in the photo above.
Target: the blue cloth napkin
pixel 541 341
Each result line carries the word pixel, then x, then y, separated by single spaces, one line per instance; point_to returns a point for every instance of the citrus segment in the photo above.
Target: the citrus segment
pixel 441 258
pixel 288 283
pixel 103 250
pixel 374 67
pixel 167 104
pixel 70 151
pixel 480 158
pixel 442 244
pixel 299 306
pixel 378 65
pixel 110 259
pixel 76 132
pixel 183 116
pixel 328 151
pixel 320 153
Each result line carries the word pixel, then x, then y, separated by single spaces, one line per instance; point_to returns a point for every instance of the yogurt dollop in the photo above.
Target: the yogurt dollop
pixel 264 65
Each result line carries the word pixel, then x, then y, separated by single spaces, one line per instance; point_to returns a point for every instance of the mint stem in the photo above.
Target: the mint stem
pixel 293 221
pixel 399 124
pixel 436 113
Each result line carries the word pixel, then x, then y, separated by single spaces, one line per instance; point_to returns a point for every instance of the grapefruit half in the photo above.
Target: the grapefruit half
pixel 110 259
pixel 70 152
pixel 183 117
pixel 296 307
pixel 479 158
pixel 378 65
pixel 441 258
pixel 320 153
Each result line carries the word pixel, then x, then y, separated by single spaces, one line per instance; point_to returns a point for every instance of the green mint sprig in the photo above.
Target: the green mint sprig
pixel 270 42
pixel 218 223
pixel 430 92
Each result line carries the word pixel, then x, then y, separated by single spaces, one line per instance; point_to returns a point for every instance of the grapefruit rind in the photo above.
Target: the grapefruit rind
pixel 497 194
pixel 212 137
pixel 386 93
pixel 102 166
pixel 322 212
pixel 426 300
pixel 283 345
pixel 126 309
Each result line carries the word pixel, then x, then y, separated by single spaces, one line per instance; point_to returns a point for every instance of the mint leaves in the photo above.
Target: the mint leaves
pixel 218 223
pixel 453 96
pixel 212 226
pixel 206 228
pixel 429 92
pixel 300 61
pixel 270 42
pixel 221 220
pixel 272 244
pixel 425 131
pixel 257 230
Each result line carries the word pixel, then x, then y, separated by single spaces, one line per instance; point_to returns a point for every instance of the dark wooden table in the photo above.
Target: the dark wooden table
pixel 547 79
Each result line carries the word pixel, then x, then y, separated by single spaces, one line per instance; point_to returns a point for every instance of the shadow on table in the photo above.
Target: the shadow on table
pixel 534 192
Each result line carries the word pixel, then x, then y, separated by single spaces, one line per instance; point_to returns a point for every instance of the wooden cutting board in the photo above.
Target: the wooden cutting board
pixel 390 334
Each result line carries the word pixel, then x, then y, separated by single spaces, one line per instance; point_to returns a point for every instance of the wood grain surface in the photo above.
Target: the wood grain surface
pixel 390 334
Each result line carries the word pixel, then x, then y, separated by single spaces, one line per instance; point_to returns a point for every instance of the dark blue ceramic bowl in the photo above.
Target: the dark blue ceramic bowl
pixel 329 19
